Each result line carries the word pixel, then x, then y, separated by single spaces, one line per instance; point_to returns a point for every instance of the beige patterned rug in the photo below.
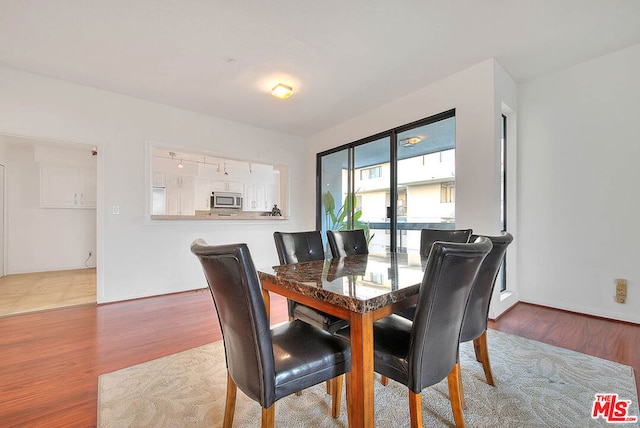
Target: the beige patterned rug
pixel 537 385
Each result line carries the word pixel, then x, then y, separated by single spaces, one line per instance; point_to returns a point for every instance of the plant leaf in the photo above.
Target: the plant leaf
pixel 328 202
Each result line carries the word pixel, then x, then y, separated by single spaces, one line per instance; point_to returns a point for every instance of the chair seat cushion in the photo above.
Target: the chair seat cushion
pixel 408 313
pixel 305 356
pixel 391 338
pixel 318 319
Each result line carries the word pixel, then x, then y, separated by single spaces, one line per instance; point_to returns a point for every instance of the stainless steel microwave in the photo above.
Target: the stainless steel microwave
pixel 226 200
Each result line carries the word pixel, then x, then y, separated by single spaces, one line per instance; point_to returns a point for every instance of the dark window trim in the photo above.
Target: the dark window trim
pixel 384 134
pixel 503 282
pixel 504 171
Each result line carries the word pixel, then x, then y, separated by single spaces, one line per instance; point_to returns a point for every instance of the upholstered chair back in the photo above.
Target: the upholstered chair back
pixel 450 274
pixel 429 236
pixel 296 247
pixel 237 296
pixel 347 242
pixel 477 314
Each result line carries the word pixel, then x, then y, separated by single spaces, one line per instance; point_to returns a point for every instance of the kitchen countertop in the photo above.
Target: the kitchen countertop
pixel 213 217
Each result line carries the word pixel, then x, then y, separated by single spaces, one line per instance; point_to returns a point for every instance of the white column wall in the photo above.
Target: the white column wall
pixel 138 258
pixel 578 186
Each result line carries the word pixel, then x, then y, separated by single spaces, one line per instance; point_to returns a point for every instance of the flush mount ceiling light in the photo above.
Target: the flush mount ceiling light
pixel 282 91
pixel 410 141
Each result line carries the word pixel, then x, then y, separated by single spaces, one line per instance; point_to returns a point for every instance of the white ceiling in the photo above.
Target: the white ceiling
pixel 343 58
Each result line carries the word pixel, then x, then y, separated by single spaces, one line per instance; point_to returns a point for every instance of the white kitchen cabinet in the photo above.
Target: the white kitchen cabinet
pixel 175 181
pixel 202 193
pixel 67 186
pixel 180 194
pixel 226 186
pixel 157 179
pixel 179 202
pixel 249 197
pixel 260 196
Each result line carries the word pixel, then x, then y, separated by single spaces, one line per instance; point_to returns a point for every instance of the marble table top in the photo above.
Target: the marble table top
pixel 357 283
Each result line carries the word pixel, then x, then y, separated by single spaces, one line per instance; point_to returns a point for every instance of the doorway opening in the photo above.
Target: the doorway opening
pixel 50 225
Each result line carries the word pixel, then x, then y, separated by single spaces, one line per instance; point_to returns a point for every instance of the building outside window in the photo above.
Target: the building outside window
pixel 369 173
pixel 447 192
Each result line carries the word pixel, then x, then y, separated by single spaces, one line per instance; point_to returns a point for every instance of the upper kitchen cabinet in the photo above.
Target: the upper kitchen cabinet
pixel 67 178
pixel 262 191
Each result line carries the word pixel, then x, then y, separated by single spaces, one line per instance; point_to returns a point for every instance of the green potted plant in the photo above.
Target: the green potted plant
pixel 338 220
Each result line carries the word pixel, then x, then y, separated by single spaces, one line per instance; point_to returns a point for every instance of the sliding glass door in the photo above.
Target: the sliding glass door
pixel 391 185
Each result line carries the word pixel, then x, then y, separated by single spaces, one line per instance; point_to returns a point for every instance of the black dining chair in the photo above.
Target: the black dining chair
pixel 429 236
pixel 421 353
pixel 476 317
pixel 427 239
pixel 296 247
pixel 347 242
pixel 266 364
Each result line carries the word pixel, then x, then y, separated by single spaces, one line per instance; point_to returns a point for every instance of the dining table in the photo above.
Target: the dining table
pixel 360 289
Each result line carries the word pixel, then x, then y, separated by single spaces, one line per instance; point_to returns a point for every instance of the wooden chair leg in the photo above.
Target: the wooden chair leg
pixel 230 404
pixel 384 381
pixel 480 343
pixel 476 349
pixel 268 416
pixel 329 386
pixel 454 396
pixel 348 394
pixel 463 402
pixel 415 409
pixel 336 396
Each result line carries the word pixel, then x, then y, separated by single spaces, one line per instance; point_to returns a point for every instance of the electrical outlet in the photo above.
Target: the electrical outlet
pixel 621 290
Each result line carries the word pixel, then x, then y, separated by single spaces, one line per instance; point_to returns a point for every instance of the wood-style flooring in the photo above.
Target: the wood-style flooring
pixel 31 292
pixel 50 361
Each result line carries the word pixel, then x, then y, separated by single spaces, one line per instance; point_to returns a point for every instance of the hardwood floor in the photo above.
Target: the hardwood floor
pixel 603 338
pixel 50 361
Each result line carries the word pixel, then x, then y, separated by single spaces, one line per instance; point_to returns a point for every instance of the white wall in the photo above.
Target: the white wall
pixel 3 196
pixel 578 186
pixel 470 92
pixel 42 239
pixel 137 257
pixel 476 94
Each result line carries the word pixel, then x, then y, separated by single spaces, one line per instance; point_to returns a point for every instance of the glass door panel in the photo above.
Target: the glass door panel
pixel 372 181
pixel 334 187
pixel 425 182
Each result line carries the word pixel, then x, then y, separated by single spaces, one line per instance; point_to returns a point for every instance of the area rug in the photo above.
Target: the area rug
pixel 537 385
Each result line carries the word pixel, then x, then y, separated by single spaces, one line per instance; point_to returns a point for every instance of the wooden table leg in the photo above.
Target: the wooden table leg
pixel 267 302
pixel 361 390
